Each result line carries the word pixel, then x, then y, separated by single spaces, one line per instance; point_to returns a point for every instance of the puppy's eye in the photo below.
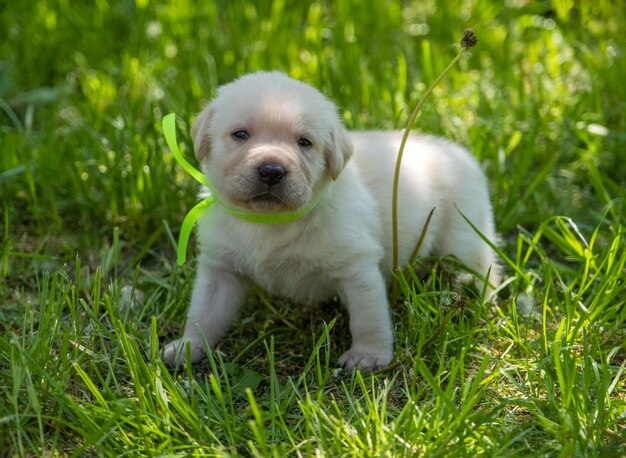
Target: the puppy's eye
pixel 240 135
pixel 304 142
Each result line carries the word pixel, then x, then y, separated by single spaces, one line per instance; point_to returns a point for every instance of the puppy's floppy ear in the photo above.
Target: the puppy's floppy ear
pixel 200 133
pixel 338 152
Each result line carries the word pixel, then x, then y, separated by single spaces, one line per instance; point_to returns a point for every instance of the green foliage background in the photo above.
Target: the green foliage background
pixel 90 199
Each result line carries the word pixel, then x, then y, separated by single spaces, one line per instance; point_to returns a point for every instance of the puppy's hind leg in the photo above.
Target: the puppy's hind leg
pixel 488 273
pixel 478 256
pixel 216 300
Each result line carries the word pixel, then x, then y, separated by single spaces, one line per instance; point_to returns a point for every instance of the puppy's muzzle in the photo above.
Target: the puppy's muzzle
pixel 271 173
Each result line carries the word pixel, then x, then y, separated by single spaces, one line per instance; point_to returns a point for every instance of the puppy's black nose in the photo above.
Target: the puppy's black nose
pixel 271 174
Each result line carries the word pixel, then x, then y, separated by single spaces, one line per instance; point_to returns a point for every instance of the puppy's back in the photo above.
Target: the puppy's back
pixel 435 173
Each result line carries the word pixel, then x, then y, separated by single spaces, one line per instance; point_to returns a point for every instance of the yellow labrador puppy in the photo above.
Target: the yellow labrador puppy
pixel 273 145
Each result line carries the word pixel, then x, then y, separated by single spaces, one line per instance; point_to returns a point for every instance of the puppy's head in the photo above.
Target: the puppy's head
pixel 268 142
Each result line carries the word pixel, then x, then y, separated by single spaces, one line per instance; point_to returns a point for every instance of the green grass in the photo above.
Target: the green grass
pixel 91 203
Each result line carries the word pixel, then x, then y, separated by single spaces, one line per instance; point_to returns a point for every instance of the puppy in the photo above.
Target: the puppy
pixel 270 144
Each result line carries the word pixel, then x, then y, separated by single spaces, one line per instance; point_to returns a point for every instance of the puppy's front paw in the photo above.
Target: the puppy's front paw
pixel 173 354
pixel 367 359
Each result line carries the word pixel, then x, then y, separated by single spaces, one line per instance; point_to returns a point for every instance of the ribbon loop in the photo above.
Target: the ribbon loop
pixel 169 130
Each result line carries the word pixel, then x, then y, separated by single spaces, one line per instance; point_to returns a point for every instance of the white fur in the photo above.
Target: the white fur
pixel 344 246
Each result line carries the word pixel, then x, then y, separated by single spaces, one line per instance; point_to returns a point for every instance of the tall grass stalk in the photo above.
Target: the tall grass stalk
pixel 468 41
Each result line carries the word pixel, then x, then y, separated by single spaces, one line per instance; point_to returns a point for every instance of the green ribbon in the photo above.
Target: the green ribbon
pixel 169 130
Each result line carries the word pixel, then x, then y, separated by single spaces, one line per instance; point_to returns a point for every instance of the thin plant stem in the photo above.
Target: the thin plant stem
pixel 468 41
pixel 405 137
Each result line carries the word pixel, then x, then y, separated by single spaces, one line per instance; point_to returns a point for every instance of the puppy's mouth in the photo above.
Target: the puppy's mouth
pixel 267 197
pixel 266 201
pixel 249 193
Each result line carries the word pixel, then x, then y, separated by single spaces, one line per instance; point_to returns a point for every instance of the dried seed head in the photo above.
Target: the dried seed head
pixel 469 39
